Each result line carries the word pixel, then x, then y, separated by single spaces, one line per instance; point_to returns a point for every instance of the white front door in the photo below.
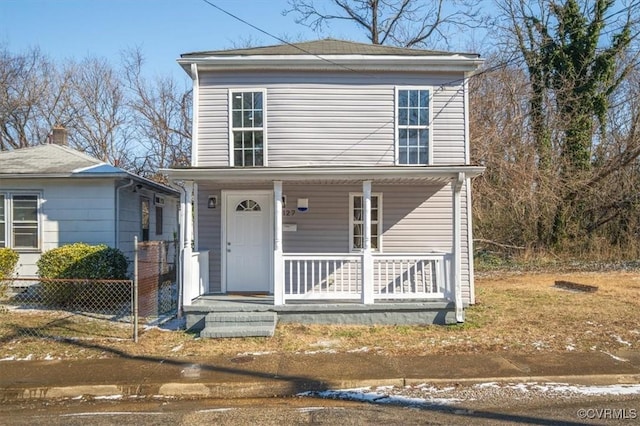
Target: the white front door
pixel 248 244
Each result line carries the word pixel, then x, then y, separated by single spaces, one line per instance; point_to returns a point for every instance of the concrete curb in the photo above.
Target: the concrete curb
pixel 275 388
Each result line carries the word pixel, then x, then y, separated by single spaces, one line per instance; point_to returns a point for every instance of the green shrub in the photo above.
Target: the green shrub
pixel 83 263
pixel 82 260
pixel 8 261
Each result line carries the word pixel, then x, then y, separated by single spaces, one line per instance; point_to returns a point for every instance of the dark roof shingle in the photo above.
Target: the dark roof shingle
pixel 326 46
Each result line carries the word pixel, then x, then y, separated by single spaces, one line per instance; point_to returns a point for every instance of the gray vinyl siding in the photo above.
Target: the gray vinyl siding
pixel 337 118
pixel 416 219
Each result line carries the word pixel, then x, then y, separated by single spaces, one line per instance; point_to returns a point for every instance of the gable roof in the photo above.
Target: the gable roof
pixel 327 46
pixel 56 161
pixel 44 159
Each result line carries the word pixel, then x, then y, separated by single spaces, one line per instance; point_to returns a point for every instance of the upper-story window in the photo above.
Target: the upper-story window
pixel 19 221
pixel 247 128
pixel 413 123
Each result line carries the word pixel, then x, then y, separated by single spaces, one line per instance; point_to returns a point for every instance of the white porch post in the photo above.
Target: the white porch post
pixel 367 259
pixel 189 291
pixel 457 249
pixel 278 264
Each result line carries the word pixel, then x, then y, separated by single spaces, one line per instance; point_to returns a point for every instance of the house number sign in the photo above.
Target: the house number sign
pixel 288 212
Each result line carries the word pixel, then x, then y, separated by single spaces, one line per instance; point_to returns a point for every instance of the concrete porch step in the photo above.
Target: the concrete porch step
pixel 239 324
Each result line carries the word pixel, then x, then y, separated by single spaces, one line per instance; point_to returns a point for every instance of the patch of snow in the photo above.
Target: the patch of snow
pixel 570 348
pixel 487 385
pixel 322 351
pixel 177 348
pixel 310 409
pixel 617 358
pixel 173 324
pixel 634 331
pixel 112 413
pixel 215 410
pixel 620 340
pixel 380 398
pixel 539 345
pixel 9 358
pixel 48 357
pixel 109 397
pixel 255 353
pixel 359 350
pixel 590 390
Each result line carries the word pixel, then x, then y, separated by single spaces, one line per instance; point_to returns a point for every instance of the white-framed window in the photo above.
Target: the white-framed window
pixel 20 220
pixel 356 222
pixel 247 124
pixel 413 125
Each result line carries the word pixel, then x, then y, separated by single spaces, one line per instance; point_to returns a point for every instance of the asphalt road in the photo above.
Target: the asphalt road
pixel 617 410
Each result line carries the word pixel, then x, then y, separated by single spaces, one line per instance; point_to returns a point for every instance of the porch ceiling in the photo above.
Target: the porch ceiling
pixel 333 175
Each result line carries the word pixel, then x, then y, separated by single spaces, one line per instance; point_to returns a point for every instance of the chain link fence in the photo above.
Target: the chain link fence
pixel 66 308
pixel 93 309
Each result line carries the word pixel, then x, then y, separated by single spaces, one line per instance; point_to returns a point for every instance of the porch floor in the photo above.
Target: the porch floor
pixel 324 312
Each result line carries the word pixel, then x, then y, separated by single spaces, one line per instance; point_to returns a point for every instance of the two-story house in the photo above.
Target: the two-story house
pixel 330 182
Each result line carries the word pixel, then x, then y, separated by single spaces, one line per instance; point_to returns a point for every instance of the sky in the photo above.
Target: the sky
pixel 162 29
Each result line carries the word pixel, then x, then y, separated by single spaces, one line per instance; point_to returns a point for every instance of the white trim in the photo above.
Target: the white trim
pixel 429 126
pixel 8 219
pixel 469 256
pixel 467 142
pixel 196 216
pixel 265 161
pixel 235 175
pixel 225 194
pixel 196 112
pixel 457 249
pixel 379 222
pixel 452 62
pixel 278 262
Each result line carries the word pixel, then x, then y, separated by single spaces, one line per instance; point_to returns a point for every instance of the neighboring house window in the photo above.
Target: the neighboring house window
pixel 19 221
pixel 413 120
pixel 247 128
pixel 356 221
pixel 145 218
pixel 159 220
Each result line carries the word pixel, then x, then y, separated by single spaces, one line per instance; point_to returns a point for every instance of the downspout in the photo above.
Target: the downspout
pixel 457 249
pixel 116 239
pixel 181 239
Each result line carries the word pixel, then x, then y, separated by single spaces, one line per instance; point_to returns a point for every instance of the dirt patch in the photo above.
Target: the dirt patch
pixel 515 312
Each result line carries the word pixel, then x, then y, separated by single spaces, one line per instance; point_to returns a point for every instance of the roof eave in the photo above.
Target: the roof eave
pixel 315 173
pixel 335 63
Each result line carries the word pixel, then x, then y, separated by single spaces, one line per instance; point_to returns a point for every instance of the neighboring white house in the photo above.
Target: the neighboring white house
pixel 329 171
pixel 52 195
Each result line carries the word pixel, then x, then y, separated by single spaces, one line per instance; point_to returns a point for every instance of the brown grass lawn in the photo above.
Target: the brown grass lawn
pixel 514 312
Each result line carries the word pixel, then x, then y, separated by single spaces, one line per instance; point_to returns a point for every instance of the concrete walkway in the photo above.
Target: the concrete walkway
pixel 284 374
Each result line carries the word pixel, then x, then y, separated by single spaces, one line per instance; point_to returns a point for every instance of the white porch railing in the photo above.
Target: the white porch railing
pixel 340 277
pixel 408 277
pixel 322 276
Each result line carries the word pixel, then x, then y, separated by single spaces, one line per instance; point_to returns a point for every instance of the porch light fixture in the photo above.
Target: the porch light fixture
pixel 212 203
pixel 303 204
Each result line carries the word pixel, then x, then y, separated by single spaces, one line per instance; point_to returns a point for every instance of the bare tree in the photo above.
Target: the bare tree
pixel 30 94
pixel 407 23
pixel 161 117
pixel 100 123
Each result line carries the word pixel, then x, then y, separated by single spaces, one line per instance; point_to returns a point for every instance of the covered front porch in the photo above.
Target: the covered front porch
pixel 369 284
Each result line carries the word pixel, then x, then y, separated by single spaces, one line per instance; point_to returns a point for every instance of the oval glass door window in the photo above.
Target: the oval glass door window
pixel 248 206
